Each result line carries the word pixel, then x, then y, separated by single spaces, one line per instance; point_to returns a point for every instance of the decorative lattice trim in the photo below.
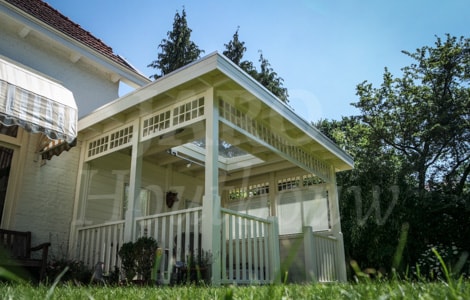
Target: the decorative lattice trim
pixel 241 193
pixel 98 146
pixel 109 142
pixel 172 118
pixel 188 111
pixel 264 133
pixel 156 123
pixel 289 183
pixel 294 182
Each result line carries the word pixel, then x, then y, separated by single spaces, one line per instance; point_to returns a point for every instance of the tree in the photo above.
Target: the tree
pixel 269 79
pixel 379 202
pixel 235 50
pixel 425 114
pixel 372 197
pixel 178 50
pixel 411 151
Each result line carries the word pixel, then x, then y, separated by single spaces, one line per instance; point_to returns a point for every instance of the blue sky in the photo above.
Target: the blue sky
pixel 321 48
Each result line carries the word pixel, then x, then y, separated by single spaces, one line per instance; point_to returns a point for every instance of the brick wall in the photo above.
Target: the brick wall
pixel 45 202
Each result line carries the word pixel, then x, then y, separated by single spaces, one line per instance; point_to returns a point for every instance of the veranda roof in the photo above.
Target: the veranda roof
pixel 227 79
pixel 36 103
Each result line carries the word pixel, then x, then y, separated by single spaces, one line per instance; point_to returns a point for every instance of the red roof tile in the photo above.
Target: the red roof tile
pixel 52 17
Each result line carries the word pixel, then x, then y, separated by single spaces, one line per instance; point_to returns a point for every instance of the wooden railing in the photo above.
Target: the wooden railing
pixel 249 245
pixel 100 243
pixel 250 249
pixel 324 257
pixel 177 233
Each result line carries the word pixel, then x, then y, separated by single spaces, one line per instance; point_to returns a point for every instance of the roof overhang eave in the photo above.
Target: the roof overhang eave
pixel 342 161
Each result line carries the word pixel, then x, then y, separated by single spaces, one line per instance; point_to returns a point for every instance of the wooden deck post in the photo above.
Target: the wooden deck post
pixel 336 227
pixel 211 222
pixel 309 251
pixel 134 184
pixel 274 251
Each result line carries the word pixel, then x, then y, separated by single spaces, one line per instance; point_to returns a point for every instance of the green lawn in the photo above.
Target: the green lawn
pixel 371 290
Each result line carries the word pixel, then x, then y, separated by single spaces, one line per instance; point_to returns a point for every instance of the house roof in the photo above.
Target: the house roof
pixel 52 17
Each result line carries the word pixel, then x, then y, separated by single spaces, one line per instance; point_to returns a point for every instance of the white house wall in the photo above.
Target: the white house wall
pixel 91 88
pixel 46 196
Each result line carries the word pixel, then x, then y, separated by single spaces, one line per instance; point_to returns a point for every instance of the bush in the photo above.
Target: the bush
pixel 138 258
pixel 127 254
pixel 429 266
pixel 77 272
pixel 144 249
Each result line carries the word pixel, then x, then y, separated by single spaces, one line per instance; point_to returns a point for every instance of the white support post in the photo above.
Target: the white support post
pixel 309 249
pixel 273 194
pixel 79 203
pixel 336 226
pixel 274 252
pixel 134 185
pixel 211 222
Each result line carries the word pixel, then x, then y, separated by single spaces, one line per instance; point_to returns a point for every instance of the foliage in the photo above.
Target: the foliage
pixel 372 195
pixel 127 254
pixel 77 272
pixel 430 267
pixel 235 50
pixel 198 267
pixel 425 114
pixel 411 151
pixel 138 258
pixel 145 248
pixel 177 50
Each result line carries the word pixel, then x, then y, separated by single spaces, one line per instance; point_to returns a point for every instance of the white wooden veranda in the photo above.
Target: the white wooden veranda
pixel 236 156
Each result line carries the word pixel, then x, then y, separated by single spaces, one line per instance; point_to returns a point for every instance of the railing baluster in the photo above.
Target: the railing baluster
pixel 168 247
pixel 114 242
pixel 249 249
pixel 195 226
pixel 267 258
pixel 179 251
pixel 223 247
pixel 87 247
pixel 83 245
pixel 92 253
pixel 230 245
pixel 255 250
pixel 237 248
pixel 187 239
pixel 244 258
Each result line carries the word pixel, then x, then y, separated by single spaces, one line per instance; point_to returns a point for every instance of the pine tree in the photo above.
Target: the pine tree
pixel 235 50
pixel 269 79
pixel 177 50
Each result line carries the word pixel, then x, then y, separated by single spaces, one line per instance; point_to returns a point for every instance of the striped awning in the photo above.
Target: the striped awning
pixel 36 103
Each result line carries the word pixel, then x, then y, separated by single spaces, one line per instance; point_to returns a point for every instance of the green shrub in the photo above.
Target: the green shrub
pixel 138 258
pixel 77 272
pixel 128 260
pixel 144 249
